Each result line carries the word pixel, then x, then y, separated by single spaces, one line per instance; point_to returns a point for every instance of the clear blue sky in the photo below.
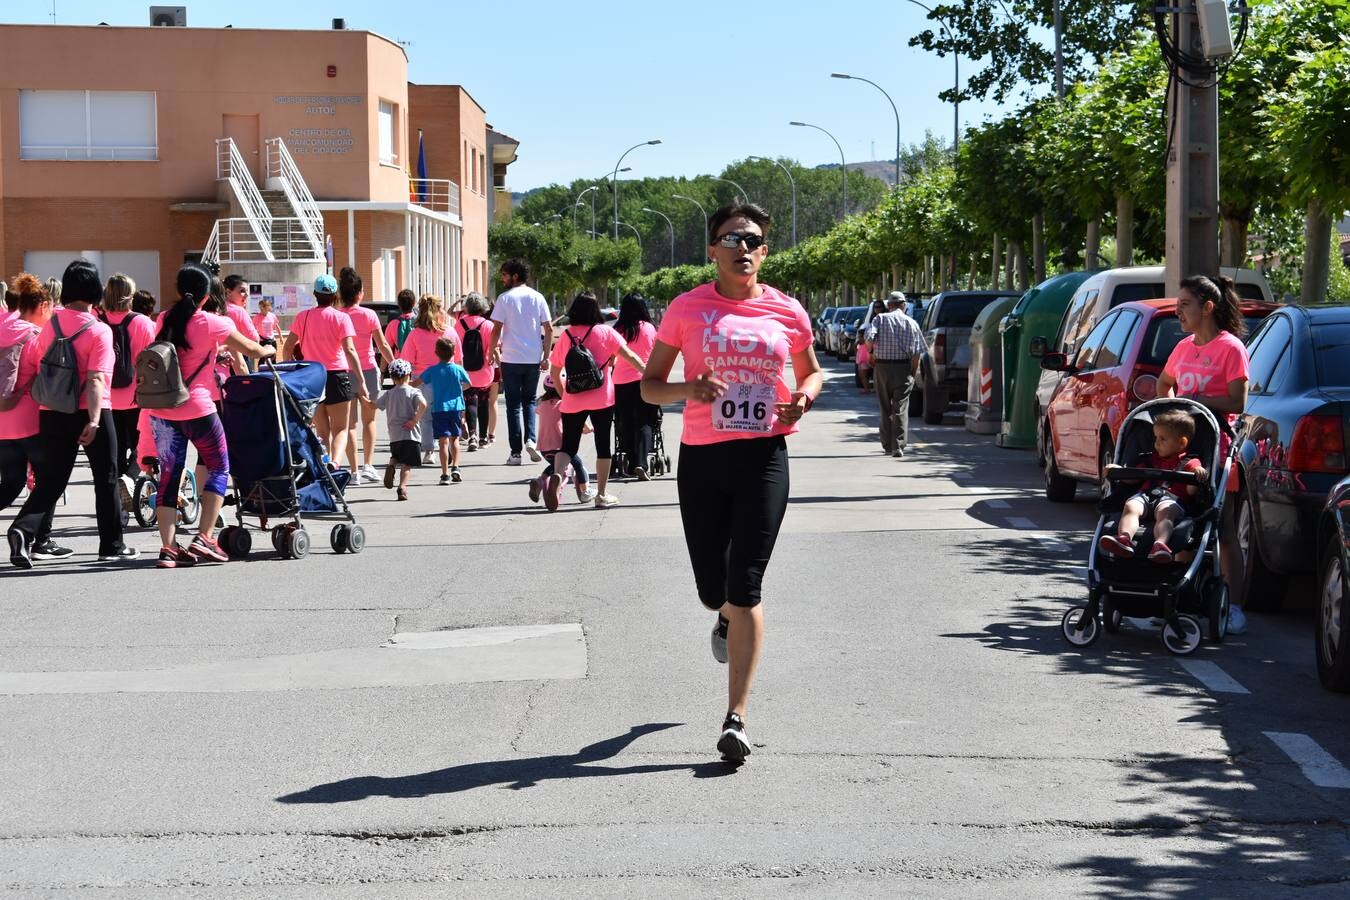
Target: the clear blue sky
pixel 577 82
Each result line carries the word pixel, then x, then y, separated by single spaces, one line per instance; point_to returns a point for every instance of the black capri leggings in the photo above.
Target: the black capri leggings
pixel 602 420
pixel 733 495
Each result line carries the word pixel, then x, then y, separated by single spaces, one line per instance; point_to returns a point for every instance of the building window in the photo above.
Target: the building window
pixel 98 125
pixel 388 130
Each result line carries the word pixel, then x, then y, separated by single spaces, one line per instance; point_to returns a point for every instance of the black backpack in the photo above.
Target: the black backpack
pixel 583 372
pixel 124 366
pixel 474 356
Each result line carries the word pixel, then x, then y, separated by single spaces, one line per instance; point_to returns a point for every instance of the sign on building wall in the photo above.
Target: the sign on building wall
pixel 287 299
pixel 320 140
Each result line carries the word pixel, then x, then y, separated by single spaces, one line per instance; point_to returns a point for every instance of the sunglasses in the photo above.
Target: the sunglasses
pixel 731 240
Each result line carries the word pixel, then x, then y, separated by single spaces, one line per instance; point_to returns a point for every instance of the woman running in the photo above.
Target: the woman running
pixel 368 338
pixel 634 418
pixel 325 335
pixel 736 337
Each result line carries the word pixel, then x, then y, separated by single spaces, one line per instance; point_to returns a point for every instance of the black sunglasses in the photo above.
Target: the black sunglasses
pixel 732 239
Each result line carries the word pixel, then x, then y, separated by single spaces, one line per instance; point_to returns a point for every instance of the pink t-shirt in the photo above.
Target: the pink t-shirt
pixel 205 335
pixel 321 331
pixel 1206 370
pixel 420 348
pixel 243 322
pixel 267 325
pixel 22 420
pixel 604 343
pixel 550 425
pixel 641 344
pixel 391 333
pixel 746 343
pixel 482 377
pixel 142 333
pixel 366 324
pixel 93 349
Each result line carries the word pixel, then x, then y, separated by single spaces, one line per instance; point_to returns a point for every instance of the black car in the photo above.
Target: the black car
pixel 1332 638
pixel 1294 448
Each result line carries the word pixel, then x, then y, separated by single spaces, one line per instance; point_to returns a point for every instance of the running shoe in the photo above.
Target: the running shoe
pixel 369 473
pixel 733 744
pixel 1118 545
pixel 1237 619
pixel 513 459
pixel 18 550
pixel 605 501
pixel 719 639
pixel 898 453
pixel 586 495
pixel 536 488
pixel 207 550
pixel 175 557
pixel 445 479
pixel 355 479
pixel 1160 554
pixel 552 492
pixel 455 475
pixel 125 554
pixel 402 494
pixel 472 445
pixel 535 455
pixel 641 474
pixel 426 458
pixel 389 472
pixel 50 549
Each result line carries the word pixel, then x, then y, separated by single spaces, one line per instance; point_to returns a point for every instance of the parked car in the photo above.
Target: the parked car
pixel 946 326
pixel 819 324
pixel 1114 370
pixel 848 333
pixel 1294 449
pixel 1331 636
pixel 835 329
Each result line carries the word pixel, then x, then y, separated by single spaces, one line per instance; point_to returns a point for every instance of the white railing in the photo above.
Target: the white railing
pixel 436 194
pixel 230 166
pixel 234 241
pixel 212 252
pixel 292 241
pixel 281 165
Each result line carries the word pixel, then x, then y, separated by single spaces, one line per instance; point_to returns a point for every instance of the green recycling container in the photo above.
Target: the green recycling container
pixel 1036 316
pixel 984 381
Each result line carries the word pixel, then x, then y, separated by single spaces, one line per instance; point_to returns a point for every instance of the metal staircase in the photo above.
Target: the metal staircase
pixel 281 224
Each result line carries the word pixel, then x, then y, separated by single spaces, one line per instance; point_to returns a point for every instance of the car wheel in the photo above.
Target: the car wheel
pixel 1332 637
pixel 1042 429
pixel 1058 488
pixel 934 403
pixel 1263 590
pixel 1104 458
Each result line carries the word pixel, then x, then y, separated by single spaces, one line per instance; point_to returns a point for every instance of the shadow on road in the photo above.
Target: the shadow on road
pixel 510 773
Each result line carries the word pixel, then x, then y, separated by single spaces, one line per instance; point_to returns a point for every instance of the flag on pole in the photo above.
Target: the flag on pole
pixel 421 167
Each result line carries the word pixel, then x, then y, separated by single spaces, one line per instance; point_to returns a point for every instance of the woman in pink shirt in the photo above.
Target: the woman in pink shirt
pixel 419 350
pixel 325 335
pixel 1209 365
pixel 367 339
pixel 474 321
pixel 634 418
pixel 586 329
pixel 266 322
pixel 132 333
pixel 737 338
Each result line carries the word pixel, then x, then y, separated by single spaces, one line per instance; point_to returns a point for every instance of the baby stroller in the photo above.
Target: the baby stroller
pixel 658 462
pixel 1185 590
pixel 278 464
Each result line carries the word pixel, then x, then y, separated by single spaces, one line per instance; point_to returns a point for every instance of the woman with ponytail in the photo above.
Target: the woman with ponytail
pixel 368 338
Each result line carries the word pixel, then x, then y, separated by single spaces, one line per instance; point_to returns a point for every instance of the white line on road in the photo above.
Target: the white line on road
pixel 1320 767
pixel 1021 522
pixel 980 490
pixel 1211 676
pixel 998 504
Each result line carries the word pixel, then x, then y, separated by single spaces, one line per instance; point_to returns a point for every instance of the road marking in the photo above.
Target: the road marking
pixel 1211 676
pixel 1320 767
pixel 1021 522
pixel 980 490
pixel 998 504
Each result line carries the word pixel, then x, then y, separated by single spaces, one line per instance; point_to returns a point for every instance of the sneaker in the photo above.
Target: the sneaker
pixel 586 495
pixel 489 440
pixel 1160 554
pixel 455 476
pixel 536 488
pixel 552 492
pixel 50 549
pixel 389 472
pixel 899 453
pixel 175 557
pixel 733 744
pixel 18 550
pixel 513 459
pixel 126 554
pixel 355 479
pixel 369 474
pixel 605 501
pixel 472 445
pixel 426 458
pixel 206 549
pixel 1237 620
pixel 445 479
pixel 402 494
pixel 535 455
pixel 641 474
pixel 1118 545
pixel 719 639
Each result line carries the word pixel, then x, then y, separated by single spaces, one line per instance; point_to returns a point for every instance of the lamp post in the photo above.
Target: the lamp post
pixel 956 82
pixel 699 259
pixel 893 109
pixel 580 197
pixel 636 234
pixel 843 166
pixel 616 182
pixel 671 225
pixel 792 181
pixel 745 198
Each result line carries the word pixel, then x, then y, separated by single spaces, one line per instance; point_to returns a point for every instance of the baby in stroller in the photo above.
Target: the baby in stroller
pixel 1173 432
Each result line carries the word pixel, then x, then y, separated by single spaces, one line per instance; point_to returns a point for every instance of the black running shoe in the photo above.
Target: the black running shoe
pixel 50 549
pixel 733 744
pixel 18 550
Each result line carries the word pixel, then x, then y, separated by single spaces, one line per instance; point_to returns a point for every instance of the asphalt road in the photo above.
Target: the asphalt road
pixel 491 702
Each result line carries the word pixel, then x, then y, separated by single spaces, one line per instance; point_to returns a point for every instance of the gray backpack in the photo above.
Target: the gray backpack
pixel 159 380
pixel 58 381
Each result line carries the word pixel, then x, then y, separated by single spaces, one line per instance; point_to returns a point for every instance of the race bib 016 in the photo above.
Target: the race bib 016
pixel 745 407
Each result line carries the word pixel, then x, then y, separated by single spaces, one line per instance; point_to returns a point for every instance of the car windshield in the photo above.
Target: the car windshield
pixel 1164 333
pixel 1126 293
pixel 1332 343
pixel 960 312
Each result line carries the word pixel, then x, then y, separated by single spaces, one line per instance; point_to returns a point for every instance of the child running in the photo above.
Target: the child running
pixel 549 412
pixel 1172 433
pixel 404 407
pixel 447 381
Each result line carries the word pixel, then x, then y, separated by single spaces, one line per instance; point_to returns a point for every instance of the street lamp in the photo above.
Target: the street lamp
pixel 893 109
pixel 843 166
pixel 791 181
pixel 956 82
pixel 616 182
pixel 698 259
pixel 636 234
pixel 745 198
pixel 672 231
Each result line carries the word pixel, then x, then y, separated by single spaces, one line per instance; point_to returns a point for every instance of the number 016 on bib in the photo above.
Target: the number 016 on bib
pixel 744 407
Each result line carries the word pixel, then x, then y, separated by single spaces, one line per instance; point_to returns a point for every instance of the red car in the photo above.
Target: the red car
pixel 1114 370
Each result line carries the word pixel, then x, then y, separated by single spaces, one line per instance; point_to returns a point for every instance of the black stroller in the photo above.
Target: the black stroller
pixel 658 461
pixel 1190 588
pixel 277 462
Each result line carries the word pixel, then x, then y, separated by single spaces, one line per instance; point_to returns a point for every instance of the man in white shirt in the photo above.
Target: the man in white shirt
pixel 520 343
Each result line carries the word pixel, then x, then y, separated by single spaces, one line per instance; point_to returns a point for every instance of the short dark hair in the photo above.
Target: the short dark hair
pixel 143 302
pixel 585 310
pixel 516 268
pixel 1176 421
pixel 445 349
pixel 80 283
pixel 233 281
pixel 728 211
pixel 407 300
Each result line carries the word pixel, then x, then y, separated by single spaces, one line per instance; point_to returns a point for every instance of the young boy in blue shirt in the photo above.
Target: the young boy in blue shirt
pixel 448 382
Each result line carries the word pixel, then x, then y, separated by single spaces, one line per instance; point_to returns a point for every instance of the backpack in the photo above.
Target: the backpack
pixel 159 380
pixel 405 328
pixel 474 357
pixel 58 381
pixel 9 371
pixel 124 367
pixel 583 373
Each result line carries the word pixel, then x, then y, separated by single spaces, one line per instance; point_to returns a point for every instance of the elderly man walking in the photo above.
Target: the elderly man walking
pixel 895 344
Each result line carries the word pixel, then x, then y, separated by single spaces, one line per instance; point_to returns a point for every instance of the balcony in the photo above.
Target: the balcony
pixel 439 195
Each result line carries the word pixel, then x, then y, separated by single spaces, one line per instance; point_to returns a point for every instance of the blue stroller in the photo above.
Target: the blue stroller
pixel 277 462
